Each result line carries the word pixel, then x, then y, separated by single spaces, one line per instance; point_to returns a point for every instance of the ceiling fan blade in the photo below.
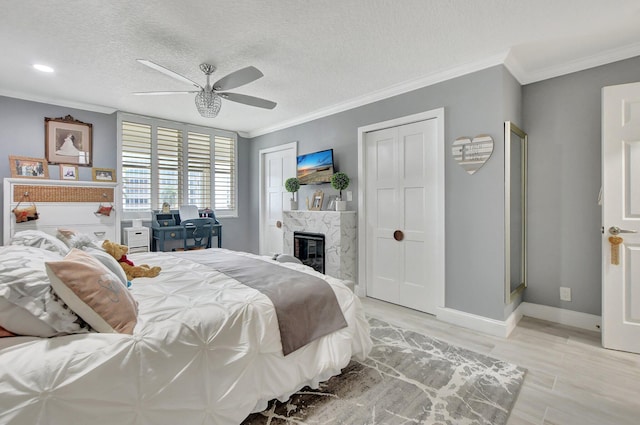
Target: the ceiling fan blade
pixel 168 72
pixel 249 100
pixel 238 78
pixel 154 93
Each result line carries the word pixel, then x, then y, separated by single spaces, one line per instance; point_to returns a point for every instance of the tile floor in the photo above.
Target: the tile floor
pixel 571 379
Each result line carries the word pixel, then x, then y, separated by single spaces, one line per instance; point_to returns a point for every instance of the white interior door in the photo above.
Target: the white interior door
pixel 278 164
pixel 404 252
pixel 621 209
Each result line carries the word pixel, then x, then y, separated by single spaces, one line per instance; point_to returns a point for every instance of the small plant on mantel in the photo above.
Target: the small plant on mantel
pixel 340 181
pixel 292 185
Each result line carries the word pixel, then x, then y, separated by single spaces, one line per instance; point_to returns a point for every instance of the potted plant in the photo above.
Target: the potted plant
pixel 340 181
pixel 292 185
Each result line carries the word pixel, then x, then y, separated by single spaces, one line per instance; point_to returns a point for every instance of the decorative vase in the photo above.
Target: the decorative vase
pixel 341 205
pixel 294 205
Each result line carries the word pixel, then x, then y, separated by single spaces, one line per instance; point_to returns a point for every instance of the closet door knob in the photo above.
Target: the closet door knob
pixel 398 235
pixel 278 224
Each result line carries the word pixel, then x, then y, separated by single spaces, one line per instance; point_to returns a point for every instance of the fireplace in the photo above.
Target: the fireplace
pixel 339 230
pixel 309 248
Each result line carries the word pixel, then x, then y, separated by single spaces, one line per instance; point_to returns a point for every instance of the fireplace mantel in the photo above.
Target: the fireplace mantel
pixel 339 229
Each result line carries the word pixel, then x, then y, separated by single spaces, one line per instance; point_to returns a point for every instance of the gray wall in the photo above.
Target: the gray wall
pixel 235 231
pixel 563 119
pixel 474 104
pixel 22 133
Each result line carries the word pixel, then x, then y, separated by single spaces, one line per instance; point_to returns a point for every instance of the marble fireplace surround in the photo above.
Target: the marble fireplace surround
pixel 339 229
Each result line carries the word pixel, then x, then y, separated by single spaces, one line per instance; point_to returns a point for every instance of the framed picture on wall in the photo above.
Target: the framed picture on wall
pixel 34 168
pixel 68 141
pixel 68 172
pixel 104 174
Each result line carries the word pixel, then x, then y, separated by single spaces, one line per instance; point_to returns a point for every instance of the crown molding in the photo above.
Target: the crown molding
pixel 515 67
pixel 508 59
pixel 386 93
pixel 66 103
pixel 603 58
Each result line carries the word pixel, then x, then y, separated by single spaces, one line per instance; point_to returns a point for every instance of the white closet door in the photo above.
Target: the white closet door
pixel 278 165
pixel 402 209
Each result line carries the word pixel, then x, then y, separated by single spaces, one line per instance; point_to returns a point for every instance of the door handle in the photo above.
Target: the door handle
pixel 278 224
pixel 398 235
pixel 615 230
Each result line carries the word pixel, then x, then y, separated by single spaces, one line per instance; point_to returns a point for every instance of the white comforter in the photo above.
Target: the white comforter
pixel 206 350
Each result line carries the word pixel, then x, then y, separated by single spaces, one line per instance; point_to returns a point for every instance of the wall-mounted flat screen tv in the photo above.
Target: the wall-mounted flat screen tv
pixel 316 167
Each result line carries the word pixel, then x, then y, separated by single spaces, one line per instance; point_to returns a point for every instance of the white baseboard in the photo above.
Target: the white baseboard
pixel 500 328
pixel 503 328
pixel 563 316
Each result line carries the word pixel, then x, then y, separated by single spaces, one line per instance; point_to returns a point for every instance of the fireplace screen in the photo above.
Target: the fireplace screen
pixel 309 248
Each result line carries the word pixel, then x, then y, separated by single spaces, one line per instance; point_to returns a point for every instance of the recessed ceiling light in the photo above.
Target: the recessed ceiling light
pixel 43 68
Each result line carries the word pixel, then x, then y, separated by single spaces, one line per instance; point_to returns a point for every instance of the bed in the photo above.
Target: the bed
pixel 206 349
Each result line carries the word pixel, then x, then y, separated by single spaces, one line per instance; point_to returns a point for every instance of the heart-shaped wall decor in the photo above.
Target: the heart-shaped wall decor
pixel 472 154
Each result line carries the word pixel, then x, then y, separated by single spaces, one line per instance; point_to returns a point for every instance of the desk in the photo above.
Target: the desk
pixel 165 226
pixel 174 233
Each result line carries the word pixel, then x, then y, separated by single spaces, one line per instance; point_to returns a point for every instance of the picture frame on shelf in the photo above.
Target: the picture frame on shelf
pixel 27 167
pixel 68 172
pixel 68 141
pixel 103 174
pixel 331 205
pixel 317 200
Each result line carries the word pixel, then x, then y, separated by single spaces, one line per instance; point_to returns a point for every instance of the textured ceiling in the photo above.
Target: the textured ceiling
pixel 317 56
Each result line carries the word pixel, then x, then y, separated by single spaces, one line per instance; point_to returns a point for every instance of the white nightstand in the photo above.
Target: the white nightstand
pixel 137 239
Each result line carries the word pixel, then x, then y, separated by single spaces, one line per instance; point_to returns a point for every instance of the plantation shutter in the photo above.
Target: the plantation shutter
pixel 136 166
pixel 225 174
pixel 169 166
pixel 199 170
pixel 163 161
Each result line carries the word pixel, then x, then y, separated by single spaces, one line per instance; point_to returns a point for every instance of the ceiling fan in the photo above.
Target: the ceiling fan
pixel 208 98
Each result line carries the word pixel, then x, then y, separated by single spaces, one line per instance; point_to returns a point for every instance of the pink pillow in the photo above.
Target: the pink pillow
pixel 93 292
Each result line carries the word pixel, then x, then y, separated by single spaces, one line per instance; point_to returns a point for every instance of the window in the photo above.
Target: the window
pixel 199 171
pixel 175 163
pixel 225 169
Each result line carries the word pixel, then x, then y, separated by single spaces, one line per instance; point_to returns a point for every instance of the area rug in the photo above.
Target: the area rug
pixel 409 378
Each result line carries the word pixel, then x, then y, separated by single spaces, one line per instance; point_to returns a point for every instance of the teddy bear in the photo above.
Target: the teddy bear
pixel 119 252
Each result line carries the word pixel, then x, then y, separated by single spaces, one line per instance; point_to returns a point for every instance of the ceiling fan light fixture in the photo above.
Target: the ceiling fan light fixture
pixel 208 103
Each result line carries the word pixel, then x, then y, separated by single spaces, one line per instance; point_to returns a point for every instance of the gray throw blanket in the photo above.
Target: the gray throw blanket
pixel 306 306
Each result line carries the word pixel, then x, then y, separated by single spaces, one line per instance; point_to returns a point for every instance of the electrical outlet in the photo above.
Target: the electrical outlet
pixel 565 293
pixel 349 195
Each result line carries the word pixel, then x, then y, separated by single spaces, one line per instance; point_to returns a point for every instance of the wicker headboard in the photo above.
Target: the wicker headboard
pixel 60 203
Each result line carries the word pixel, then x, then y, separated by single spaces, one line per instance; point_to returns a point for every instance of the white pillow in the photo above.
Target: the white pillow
pixel 65 235
pixel 109 262
pixel 74 239
pixel 24 284
pixel 286 258
pixel 19 321
pixel 39 239
pixel 93 292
